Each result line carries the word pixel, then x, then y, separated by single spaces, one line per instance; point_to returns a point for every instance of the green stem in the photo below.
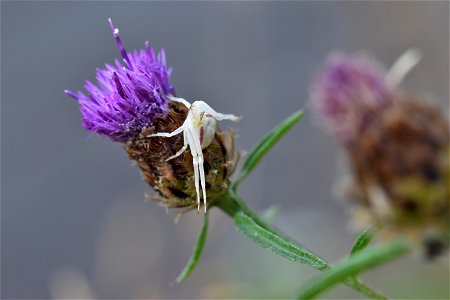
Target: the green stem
pixel 358 263
pixel 231 204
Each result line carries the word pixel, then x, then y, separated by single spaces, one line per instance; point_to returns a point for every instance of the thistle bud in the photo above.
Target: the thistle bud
pixel 398 148
pixel 174 179
pixel 132 100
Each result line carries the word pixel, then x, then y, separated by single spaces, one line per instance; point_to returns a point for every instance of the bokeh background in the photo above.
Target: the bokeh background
pixel 74 220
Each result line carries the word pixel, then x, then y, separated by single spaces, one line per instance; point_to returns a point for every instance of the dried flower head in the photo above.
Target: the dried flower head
pixel 401 173
pixel 127 96
pixel 398 149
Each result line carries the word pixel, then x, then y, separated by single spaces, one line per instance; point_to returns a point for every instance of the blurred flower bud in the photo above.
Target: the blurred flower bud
pixel 401 173
pixel 398 148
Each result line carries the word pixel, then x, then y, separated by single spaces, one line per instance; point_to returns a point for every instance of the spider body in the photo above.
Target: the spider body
pixel 198 131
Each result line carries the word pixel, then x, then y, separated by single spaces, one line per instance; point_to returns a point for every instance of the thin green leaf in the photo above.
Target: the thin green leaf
pixel 362 241
pixel 354 265
pixel 358 285
pixel 231 204
pixel 261 149
pixel 195 258
pixel 275 243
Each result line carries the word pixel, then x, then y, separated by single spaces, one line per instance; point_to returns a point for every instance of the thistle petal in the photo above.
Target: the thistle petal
pixel 127 97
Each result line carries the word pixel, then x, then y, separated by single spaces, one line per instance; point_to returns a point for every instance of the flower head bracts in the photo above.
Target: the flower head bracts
pixel 345 89
pixel 127 97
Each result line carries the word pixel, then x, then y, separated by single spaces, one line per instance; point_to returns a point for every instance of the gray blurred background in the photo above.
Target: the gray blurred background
pixel 75 223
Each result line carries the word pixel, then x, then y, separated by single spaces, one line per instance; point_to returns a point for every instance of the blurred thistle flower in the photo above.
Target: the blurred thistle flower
pixel 348 89
pixel 133 100
pixel 398 148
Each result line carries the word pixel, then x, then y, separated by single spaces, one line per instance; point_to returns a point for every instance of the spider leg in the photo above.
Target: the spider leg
pixel 197 187
pixel 202 178
pixel 178 153
pixel 180 100
pixel 221 117
pixel 218 116
pixel 182 148
pixel 194 144
pixel 168 134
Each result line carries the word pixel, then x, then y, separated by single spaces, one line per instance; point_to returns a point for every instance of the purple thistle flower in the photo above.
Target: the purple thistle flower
pixel 347 91
pixel 127 97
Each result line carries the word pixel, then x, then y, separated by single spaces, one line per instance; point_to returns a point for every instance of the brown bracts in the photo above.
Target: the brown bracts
pixel 401 173
pixel 174 179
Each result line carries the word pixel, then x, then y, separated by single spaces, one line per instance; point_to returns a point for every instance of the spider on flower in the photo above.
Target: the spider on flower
pixel 198 130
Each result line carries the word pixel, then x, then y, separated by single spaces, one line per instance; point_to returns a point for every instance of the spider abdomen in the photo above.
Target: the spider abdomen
pixel 207 131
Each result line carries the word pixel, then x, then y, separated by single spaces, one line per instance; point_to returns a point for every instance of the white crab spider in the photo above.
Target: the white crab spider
pixel 198 130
